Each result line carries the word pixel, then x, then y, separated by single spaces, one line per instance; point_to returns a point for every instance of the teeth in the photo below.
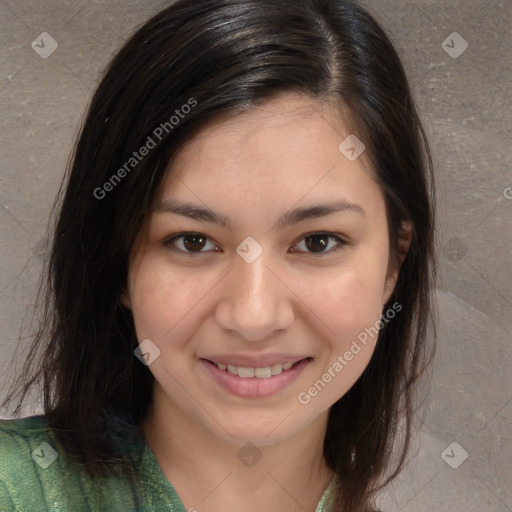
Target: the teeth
pixel 260 373
pixel 276 369
pixel 263 373
pixel 245 372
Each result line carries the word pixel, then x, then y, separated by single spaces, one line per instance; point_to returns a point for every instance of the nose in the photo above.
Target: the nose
pixel 255 302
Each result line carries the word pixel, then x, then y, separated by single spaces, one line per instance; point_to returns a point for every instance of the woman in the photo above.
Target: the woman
pixel 239 285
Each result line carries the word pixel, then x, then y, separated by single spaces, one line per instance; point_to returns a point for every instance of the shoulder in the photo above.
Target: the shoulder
pixel 19 439
pixel 21 432
pixel 36 473
pixel 23 443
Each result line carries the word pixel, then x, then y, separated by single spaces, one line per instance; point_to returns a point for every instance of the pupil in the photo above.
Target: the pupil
pixel 194 242
pixel 319 242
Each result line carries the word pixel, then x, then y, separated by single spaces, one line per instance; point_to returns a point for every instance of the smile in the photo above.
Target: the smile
pixel 260 373
pixel 260 382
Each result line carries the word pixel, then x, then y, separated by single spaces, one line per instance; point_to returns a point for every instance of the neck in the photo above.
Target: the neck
pixel 211 474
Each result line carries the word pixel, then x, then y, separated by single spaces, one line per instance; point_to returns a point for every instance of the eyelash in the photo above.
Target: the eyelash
pixel 331 236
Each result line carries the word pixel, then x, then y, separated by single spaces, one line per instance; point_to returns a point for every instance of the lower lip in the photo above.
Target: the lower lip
pixel 254 387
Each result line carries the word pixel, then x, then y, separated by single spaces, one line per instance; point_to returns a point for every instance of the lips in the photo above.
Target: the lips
pixel 263 372
pixel 246 384
pixel 262 367
pixel 247 361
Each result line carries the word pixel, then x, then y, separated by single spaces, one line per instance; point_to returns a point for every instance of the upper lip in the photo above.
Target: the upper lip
pixel 261 361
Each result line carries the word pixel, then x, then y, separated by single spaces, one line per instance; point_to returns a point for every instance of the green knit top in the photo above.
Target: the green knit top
pixel 37 475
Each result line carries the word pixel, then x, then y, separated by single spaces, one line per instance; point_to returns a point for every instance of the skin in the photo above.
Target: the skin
pixel 251 169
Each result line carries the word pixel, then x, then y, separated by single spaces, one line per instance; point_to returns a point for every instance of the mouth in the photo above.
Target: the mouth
pixel 254 382
pixel 264 372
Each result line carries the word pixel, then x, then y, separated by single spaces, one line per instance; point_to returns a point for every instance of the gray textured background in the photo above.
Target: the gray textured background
pixel 466 105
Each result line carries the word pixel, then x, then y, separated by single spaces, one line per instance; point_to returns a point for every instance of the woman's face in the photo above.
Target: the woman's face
pixel 284 261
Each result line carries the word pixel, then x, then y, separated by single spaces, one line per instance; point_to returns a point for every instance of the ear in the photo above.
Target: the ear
pixel 125 299
pixel 404 244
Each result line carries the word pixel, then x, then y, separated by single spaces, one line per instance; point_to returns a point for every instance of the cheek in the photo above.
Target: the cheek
pixel 346 299
pixel 164 300
pixel 349 304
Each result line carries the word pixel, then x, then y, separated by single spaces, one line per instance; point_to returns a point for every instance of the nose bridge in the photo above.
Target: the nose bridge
pixel 255 283
pixel 254 303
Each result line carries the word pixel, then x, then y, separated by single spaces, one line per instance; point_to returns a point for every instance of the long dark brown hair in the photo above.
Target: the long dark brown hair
pixel 221 57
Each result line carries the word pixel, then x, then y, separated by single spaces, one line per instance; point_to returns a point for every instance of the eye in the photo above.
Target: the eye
pixel 320 244
pixel 317 244
pixel 190 243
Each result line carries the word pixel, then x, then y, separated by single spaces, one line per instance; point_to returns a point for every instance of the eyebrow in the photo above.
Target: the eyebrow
pixel 289 218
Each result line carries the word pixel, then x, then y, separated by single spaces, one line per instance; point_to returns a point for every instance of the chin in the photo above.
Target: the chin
pixel 258 430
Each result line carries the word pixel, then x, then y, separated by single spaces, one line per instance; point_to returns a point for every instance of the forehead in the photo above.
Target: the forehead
pixel 285 150
pixel 269 131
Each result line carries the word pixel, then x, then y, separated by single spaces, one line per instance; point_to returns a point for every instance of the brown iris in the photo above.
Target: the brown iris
pixel 194 242
pixel 317 243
